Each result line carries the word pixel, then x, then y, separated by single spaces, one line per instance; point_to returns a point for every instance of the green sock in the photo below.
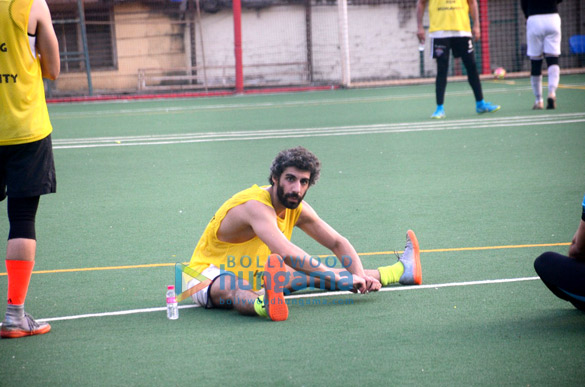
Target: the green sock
pixel 391 274
pixel 259 307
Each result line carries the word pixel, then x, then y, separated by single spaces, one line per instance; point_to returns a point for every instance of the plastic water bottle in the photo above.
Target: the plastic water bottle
pixel 172 307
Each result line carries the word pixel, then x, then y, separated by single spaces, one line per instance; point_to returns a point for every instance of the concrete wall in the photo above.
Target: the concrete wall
pixel 145 38
pixel 382 43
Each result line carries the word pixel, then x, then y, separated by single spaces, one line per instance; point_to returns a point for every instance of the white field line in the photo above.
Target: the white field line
pixel 310 295
pixel 317 132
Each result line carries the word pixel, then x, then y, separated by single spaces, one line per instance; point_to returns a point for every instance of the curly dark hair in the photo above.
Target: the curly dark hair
pixel 298 157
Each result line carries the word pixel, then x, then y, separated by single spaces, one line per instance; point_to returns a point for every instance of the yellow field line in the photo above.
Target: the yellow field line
pixel 320 256
pixel 99 268
pixel 574 87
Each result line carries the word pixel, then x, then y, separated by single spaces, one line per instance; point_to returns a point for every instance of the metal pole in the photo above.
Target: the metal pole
pixel 84 42
pixel 237 9
pixel 421 57
pixel 344 42
pixel 201 42
pixel 309 37
pixel 485 37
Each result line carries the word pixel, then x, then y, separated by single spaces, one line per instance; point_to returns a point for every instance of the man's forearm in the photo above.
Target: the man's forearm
pixel 349 259
pixel 420 12
pixel 577 248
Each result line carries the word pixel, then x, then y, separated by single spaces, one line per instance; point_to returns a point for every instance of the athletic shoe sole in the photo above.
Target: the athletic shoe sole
pixel 417 267
pixel 488 111
pixel 274 299
pixel 16 333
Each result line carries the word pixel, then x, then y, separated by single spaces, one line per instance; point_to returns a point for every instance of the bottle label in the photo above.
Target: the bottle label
pixel 171 300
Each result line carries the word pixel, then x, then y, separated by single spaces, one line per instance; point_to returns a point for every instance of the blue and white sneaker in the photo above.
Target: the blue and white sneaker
pixel 411 260
pixel 486 107
pixel 439 114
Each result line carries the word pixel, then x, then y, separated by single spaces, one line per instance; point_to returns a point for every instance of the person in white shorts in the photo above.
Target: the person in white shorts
pixel 543 38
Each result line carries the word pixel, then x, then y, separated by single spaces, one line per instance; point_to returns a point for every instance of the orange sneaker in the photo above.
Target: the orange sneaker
pixel 411 261
pixel 274 298
pixel 27 327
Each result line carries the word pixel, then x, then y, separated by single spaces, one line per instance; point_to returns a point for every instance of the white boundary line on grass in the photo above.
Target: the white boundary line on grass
pixel 402 127
pixel 310 295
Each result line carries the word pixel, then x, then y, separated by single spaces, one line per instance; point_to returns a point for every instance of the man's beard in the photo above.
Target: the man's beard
pixel 284 198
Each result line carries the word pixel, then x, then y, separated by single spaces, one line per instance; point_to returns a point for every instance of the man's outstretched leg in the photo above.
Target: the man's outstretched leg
pixel 227 291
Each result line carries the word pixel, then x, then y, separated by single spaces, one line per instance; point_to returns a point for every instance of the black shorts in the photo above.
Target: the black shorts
pixel 27 169
pixel 461 46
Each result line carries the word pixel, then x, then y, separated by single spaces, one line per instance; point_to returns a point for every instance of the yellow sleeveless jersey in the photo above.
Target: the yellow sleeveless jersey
pixel 449 15
pixel 246 259
pixel 23 108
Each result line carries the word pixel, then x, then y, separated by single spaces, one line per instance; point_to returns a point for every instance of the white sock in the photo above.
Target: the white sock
pixel 554 75
pixel 536 82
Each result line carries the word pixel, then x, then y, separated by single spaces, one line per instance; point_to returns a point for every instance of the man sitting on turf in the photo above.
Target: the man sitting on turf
pixel 564 275
pixel 248 242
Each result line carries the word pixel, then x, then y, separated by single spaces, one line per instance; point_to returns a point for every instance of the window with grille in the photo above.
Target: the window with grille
pixel 100 39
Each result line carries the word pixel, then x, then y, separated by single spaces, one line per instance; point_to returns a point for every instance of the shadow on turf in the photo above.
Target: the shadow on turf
pixel 326 303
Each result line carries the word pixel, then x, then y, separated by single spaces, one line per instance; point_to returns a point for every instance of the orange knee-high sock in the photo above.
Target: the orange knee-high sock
pixel 19 273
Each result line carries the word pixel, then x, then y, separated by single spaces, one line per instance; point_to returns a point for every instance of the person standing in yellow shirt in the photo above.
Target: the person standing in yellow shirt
pixel 29 51
pixel 450 30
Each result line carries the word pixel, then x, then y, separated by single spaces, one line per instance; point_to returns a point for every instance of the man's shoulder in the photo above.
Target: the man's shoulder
pixel 255 203
pixel 247 213
pixel 38 9
pixel 254 192
pixel 250 199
